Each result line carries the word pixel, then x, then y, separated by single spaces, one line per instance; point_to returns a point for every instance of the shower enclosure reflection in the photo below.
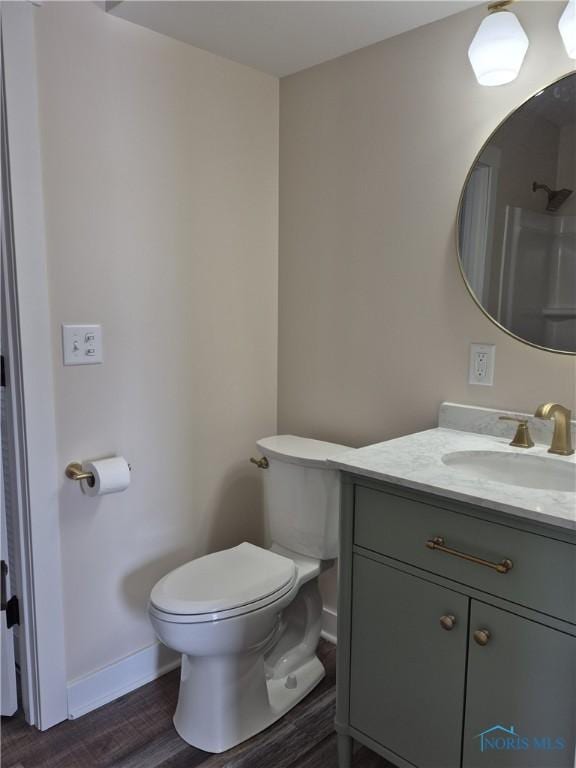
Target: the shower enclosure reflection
pixel 517 221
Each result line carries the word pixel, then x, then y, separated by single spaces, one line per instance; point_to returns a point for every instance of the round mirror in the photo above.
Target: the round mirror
pixel 517 221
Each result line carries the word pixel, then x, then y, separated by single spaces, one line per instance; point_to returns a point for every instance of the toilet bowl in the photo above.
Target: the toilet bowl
pixel 247 620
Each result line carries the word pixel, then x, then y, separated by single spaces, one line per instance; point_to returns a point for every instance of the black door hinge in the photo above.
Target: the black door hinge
pixel 3 574
pixel 11 606
pixel 12 612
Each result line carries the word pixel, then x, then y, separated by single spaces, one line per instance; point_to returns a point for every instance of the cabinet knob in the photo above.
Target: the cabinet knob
pixel 448 622
pixel 482 636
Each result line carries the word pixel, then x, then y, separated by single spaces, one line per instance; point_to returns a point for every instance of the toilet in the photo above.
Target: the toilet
pixel 247 620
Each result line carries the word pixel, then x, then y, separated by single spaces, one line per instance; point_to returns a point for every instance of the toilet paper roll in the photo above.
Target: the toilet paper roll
pixel 110 476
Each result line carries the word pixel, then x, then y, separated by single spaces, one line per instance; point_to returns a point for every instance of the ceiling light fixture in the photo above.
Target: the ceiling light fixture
pixel 499 46
pixel 567 27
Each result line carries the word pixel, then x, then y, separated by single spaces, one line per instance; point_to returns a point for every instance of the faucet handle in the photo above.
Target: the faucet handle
pixel 517 419
pixel 522 438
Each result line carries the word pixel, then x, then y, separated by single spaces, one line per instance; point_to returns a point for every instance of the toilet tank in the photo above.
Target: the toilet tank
pixel 302 494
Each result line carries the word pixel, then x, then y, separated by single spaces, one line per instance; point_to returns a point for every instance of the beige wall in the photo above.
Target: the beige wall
pixel 161 178
pixel 375 322
pixel 160 167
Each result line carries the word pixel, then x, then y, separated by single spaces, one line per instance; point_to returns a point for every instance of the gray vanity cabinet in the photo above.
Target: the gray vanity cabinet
pixel 413 707
pixel 524 678
pixel 447 661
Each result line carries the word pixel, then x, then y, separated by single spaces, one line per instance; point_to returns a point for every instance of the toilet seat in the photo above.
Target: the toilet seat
pixel 224 584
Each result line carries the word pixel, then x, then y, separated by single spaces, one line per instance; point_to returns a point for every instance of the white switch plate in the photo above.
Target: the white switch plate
pixel 481 369
pixel 82 344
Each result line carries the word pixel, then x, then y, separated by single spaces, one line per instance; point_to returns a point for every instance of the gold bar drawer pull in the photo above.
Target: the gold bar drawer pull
pixel 439 543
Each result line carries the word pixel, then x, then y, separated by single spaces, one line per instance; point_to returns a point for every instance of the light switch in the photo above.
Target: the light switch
pixel 82 344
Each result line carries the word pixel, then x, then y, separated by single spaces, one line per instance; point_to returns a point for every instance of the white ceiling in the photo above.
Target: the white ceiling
pixel 280 37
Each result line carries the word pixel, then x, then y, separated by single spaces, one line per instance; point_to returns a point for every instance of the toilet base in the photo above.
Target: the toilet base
pixel 284 694
pixel 204 727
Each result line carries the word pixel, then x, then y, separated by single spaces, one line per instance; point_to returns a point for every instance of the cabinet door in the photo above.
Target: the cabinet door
pixel 407 671
pixel 521 693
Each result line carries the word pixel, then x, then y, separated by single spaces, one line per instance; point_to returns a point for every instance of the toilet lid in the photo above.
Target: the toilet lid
pixel 223 580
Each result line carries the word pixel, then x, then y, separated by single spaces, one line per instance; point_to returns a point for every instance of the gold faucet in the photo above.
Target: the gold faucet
pixel 522 437
pixel 562 437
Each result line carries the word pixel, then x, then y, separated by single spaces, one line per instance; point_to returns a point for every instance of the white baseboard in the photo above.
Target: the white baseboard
pixel 105 685
pixel 329 621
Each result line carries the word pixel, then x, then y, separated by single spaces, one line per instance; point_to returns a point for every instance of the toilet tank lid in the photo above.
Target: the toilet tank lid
pixel 300 450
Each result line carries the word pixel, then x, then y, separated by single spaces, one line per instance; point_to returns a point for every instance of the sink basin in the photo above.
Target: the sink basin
pixel 515 469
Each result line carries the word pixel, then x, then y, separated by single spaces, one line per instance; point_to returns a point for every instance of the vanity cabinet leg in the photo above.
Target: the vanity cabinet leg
pixel 344 751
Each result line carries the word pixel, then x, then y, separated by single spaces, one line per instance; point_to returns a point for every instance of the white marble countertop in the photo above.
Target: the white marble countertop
pixel 415 461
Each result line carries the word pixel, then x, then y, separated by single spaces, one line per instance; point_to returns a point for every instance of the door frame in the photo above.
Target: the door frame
pixel 42 644
pixel 8 684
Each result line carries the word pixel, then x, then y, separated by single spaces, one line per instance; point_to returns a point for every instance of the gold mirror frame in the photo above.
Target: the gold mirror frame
pixel 459 218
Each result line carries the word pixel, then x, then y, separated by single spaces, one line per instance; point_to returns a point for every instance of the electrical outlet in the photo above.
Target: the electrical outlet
pixel 482 364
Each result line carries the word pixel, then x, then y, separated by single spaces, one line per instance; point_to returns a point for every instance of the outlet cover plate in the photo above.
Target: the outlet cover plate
pixel 481 369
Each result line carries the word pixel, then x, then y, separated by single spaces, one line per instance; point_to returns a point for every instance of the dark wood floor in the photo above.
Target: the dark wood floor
pixel 136 732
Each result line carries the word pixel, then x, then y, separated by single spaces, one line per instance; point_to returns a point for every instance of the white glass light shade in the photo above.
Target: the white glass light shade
pixel 567 27
pixel 498 49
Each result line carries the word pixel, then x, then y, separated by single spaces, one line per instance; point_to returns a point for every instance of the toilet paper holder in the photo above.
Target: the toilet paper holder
pixel 74 471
